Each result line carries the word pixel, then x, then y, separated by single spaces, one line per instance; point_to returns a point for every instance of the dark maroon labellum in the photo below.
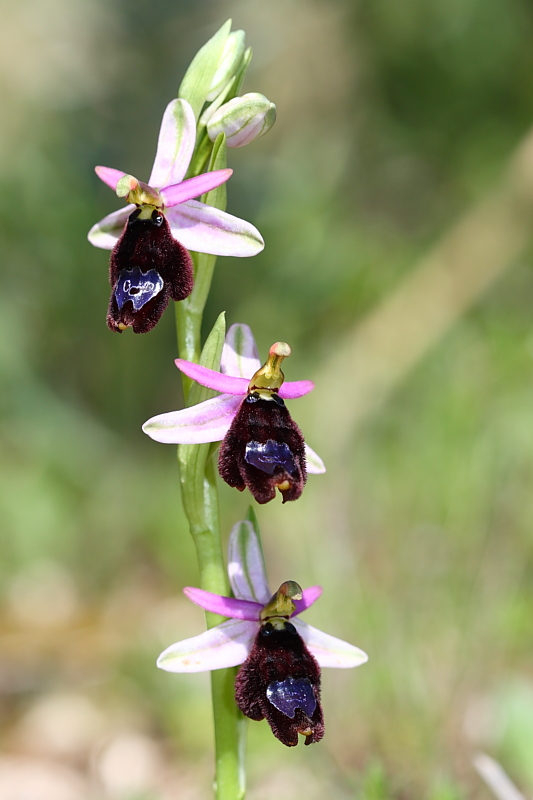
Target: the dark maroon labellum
pixel 147 268
pixel 280 682
pixel 264 450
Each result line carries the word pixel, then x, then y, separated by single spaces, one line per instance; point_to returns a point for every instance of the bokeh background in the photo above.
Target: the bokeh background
pixel 395 195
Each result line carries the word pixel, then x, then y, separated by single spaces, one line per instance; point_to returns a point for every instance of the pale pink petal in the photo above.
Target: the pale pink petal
pixel 310 596
pixel 213 380
pixel 206 422
pixel 226 606
pixel 175 146
pixel 224 646
pixel 328 650
pixel 106 233
pixel 315 465
pixel 292 389
pixel 246 565
pixel 194 187
pixel 109 176
pixel 240 356
pixel 208 230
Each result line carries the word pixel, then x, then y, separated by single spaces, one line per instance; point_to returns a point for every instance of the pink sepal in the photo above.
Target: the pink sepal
pixel 226 645
pixel 109 176
pixel 205 422
pixel 194 187
pixel 246 564
pixel 106 233
pixel 310 596
pixel 315 465
pixel 328 650
pixel 240 356
pixel 175 145
pixel 226 606
pixel 209 230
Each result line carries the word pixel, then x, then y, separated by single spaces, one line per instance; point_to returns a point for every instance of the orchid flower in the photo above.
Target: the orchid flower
pixel 280 675
pixel 151 236
pixel 262 446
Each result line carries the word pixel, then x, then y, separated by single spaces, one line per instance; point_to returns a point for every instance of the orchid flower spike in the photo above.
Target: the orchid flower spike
pixel 151 236
pixel 262 447
pixel 280 655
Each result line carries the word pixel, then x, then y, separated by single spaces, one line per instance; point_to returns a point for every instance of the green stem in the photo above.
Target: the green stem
pixel 190 312
pixel 201 507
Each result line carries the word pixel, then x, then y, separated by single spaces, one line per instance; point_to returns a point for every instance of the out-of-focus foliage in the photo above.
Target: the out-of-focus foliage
pixel 393 120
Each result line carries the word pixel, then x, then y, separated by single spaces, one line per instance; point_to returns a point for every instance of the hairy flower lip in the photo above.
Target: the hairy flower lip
pixel 229 644
pixel 195 225
pixel 147 269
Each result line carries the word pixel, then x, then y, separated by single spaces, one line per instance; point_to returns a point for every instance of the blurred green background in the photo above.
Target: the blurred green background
pixel 395 196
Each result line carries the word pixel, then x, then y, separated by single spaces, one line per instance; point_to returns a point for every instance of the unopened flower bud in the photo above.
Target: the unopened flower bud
pixel 242 119
pixel 229 63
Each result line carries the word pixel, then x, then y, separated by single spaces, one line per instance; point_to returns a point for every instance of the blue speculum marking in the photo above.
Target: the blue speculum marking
pixel 138 286
pixel 290 694
pixel 269 455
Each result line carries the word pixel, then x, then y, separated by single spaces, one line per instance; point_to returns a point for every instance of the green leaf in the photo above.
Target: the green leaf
pixel 251 516
pixel 198 78
pixel 210 358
